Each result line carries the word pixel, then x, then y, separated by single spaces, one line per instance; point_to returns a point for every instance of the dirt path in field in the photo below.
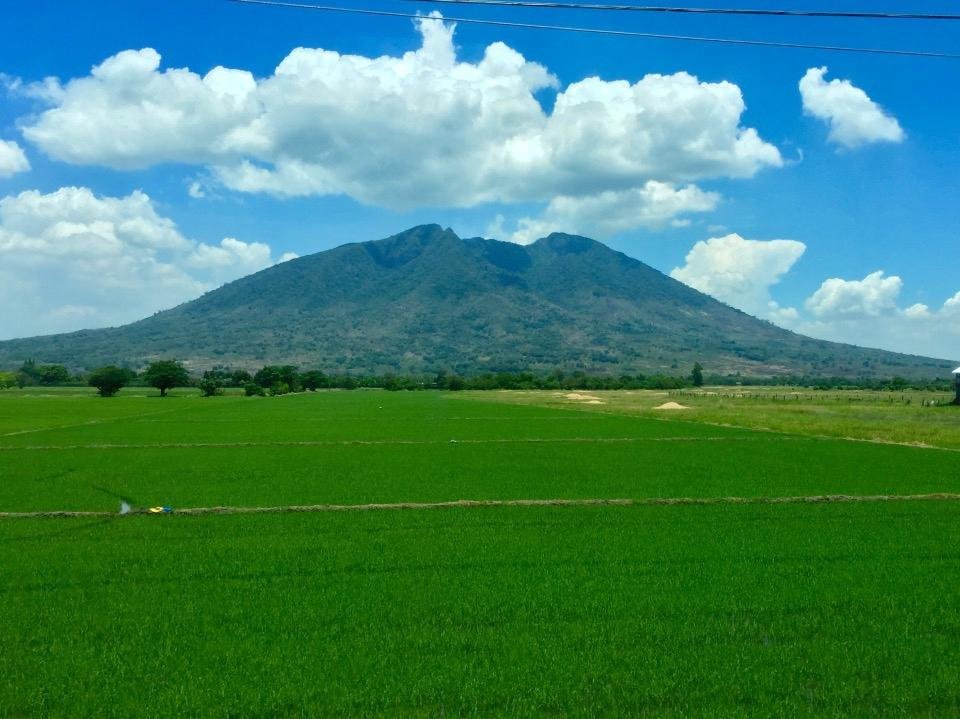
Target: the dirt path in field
pixel 480 503
pixel 582 398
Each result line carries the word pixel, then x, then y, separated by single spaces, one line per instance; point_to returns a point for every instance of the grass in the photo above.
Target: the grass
pixel 708 610
pixel 792 610
pixel 907 417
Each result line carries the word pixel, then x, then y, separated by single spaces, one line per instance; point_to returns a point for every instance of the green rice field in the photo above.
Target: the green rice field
pixel 725 609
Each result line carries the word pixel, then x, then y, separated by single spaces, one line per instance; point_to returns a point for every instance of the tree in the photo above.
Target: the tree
pixel 50 374
pixel 268 376
pixel 278 379
pixel 344 381
pixel 252 389
pixel 279 388
pixel 8 380
pixel 108 380
pixel 896 384
pixel 29 373
pixel 165 374
pixel 209 387
pixel 313 380
pixel 697 375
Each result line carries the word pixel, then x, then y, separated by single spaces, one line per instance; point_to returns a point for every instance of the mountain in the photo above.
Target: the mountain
pixel 426 300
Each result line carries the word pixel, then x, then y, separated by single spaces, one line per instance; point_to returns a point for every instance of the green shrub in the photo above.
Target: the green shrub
pixel 252 389
pixel 209 387
pixel 279 388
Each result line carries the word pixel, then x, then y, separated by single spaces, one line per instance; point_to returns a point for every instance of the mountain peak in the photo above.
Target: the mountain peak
pixel 428 231
pixel 563 244
pixel 399 249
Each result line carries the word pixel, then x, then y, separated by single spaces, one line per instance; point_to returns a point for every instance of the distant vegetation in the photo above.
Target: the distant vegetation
pixel 283 379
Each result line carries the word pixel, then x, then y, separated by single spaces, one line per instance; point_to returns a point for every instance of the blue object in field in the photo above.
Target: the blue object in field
pixel 160 510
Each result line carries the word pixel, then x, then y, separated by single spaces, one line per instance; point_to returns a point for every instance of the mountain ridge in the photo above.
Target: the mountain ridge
pixel 425 299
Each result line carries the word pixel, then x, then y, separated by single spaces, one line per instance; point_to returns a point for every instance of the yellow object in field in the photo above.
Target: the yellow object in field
pixel 159 510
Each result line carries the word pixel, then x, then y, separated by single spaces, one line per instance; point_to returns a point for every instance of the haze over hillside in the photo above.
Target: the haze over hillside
pixel 425 300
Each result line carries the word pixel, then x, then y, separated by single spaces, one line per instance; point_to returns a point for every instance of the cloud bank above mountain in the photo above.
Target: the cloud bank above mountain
pixel 424 129
pixel 651 206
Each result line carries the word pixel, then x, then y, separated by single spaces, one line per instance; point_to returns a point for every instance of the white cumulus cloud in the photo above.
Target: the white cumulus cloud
pixel 863 312
pixel 870 317
pixel 653 205
pixel 741 272
pixel 230 253
pixel 71 259
pixel 12 159
pixel 869 297
pixel 917 311
pixel 866 312
pixel 952 306
pixel 854 119
pixel 421 129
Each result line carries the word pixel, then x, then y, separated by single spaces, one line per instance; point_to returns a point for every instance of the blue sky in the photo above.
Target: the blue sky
pixel 882 197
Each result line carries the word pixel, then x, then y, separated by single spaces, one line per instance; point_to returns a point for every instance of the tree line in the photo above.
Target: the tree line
pixel 282 379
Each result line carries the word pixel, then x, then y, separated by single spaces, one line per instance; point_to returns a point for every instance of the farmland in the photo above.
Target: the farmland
pixel 922 418
pixel 792 609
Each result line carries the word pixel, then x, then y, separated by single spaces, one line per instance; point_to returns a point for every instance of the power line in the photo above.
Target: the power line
pixel 601 31
pixel 699 10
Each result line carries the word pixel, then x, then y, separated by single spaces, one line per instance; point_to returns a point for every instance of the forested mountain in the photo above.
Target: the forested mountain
pixel 425 300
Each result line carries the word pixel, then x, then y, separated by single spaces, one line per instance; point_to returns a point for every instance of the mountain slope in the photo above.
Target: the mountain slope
pixel 425 300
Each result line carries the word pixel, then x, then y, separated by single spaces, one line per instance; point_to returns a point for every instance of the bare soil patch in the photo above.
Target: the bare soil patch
pixel 672 405
pixel 582 397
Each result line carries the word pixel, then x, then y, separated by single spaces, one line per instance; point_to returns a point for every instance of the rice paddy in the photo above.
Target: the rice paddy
pixel 603 603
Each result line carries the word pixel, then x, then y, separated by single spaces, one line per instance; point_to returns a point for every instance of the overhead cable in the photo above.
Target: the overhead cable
pixel 700 10
pixel 603 31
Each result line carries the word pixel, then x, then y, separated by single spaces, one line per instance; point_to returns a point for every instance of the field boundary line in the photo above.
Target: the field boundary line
pixel 361 442
pixel 481 503
pixel 800 435
pixel 88 423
